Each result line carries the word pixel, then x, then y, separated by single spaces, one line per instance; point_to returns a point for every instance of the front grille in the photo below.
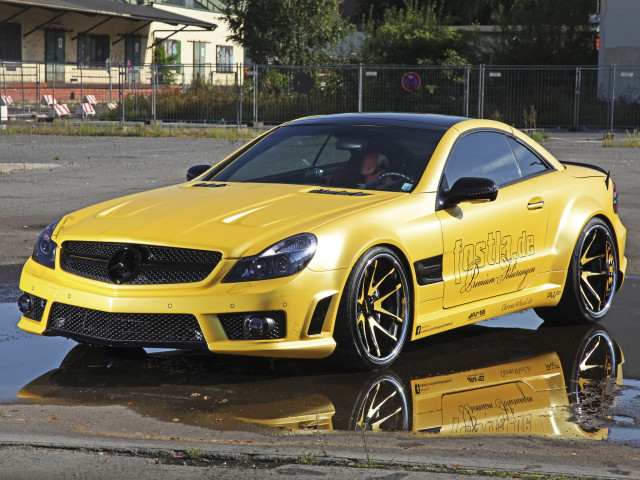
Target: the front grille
pixel 233 325
pixel 157 265
pixel 125 329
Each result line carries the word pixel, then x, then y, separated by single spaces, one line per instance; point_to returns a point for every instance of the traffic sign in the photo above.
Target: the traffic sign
pixel 411 81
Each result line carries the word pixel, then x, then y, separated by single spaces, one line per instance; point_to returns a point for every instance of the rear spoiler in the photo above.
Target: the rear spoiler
pixel 594 167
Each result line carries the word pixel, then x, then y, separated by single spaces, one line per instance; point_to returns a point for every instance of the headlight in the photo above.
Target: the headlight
pixel 44 251
pixel 285 258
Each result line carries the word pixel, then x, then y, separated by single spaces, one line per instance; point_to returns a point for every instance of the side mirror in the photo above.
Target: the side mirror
pixel 469 189
pixel 196 171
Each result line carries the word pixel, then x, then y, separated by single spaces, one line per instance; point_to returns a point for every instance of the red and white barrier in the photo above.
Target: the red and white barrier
pixel 112 106
pixel 6 100
pixel 59 109
pixel 48 100
pixel 90 99
pixel 86 108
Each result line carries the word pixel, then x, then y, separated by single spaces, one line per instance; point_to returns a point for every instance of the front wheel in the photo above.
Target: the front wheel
pixel 375 312
pixel 591 280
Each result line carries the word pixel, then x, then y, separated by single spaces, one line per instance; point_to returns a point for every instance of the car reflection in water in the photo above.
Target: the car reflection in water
pixel 488 381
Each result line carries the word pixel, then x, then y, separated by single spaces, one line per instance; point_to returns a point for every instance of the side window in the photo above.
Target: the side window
pixel 528 161
pixel 482 154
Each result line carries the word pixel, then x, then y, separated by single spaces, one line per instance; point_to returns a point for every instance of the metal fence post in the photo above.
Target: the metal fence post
pixel 240 68
pixel 154 85
pixel 122 73
pixel 4 77
pixel 82 91
pixel 612 93
pixel 55 69
pixel 255 95
pixel 465 106
pixel 22 83
pixel 237 99
pixel 38 87
pixel 576 101
pixel 481 92
pixel 360 67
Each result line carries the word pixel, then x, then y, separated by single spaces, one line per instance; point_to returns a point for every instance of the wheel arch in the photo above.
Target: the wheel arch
pixel 572 220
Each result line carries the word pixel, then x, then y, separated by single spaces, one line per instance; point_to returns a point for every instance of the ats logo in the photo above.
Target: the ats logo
pixel 476 315
pixel 553 295
pixel 475 378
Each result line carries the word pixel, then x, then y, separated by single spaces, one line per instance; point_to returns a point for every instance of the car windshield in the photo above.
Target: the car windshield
pixel 343 156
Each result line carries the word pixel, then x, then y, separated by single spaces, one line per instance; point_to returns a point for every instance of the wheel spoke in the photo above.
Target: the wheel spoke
pixel 376 425
pixel 592 291
pixel 383 298
pixel 374 339
pixel 382 311
pixel 372 289
pixel 363 328
pixel 373 323
pixel 584 259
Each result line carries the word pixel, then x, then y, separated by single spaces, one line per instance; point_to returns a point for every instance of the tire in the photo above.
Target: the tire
pixel 375 313
pixel 591 279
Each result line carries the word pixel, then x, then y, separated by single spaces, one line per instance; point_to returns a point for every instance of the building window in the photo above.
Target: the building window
pixel 172 50
pixel 93 49
pixel 224 59
pixel 10 42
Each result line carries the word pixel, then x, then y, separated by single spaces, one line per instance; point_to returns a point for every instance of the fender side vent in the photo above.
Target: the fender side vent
pixel 319 316
pixel 344 193
pixel 429 270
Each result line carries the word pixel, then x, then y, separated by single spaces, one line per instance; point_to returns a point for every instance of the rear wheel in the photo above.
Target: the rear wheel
pixel 591 280
pixel 375 312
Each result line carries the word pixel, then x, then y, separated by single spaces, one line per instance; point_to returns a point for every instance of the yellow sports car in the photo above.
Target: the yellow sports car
pixel 343 234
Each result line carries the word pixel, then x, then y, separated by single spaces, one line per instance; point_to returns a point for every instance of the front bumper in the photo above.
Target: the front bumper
pixel 308 301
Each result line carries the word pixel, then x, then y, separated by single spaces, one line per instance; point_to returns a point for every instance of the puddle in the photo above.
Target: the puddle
pixel 23 355
pixel 507 376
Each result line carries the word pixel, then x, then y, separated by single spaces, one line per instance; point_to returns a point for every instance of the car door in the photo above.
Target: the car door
pixel 491 247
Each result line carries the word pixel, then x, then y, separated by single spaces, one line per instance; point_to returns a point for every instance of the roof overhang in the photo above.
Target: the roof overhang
pixel 108 8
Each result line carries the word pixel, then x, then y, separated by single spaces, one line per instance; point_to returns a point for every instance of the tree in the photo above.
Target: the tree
pixel 452 12
pixel 290 32
pixel 545 32
pixel 412 35
pixel 166 73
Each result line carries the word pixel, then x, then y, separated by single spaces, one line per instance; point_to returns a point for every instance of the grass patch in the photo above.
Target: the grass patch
pixel 539 136
pixel 633 139
pixel 115 130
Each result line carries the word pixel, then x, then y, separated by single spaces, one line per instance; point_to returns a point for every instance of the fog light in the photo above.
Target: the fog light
pixel 25 304
pixel 259 326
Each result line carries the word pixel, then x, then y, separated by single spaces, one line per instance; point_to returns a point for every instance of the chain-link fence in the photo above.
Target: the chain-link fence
pixel 530 97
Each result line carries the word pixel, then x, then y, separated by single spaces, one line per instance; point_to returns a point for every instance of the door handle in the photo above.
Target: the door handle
pixel 535 204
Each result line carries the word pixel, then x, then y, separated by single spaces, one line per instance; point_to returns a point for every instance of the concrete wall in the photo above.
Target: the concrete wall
pixel 620 46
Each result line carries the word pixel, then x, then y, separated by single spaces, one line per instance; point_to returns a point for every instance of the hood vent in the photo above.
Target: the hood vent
pixel 325 191
pixel 209 185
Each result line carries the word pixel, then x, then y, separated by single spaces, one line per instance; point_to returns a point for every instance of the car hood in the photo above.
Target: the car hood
pixel 236 219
